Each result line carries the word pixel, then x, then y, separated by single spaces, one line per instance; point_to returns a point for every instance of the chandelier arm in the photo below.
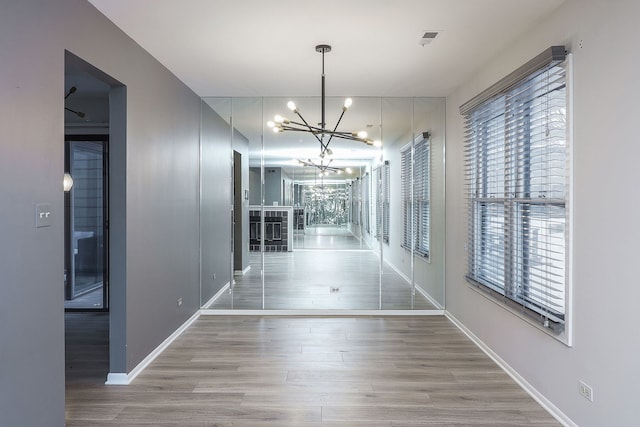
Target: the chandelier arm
pixel 310 129
pixel 306 128
pixel 348 136
pixel 319 132
pixel 333 133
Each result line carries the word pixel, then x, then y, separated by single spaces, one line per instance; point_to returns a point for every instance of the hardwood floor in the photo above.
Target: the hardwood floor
pixel 327 237
pixel 302 371
pixel 86 347
pixel 321 279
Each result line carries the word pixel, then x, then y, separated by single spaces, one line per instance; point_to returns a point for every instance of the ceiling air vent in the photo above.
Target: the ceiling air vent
pixel 428 37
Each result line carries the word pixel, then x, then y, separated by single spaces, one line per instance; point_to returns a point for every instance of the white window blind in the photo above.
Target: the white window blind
pixel 517 168
pixel 366 201
pixel 382 202
pixel 356 201
pixel 407 197
pixel 415 195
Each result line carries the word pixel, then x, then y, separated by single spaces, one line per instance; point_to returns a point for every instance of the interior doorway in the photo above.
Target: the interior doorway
pixel 94 287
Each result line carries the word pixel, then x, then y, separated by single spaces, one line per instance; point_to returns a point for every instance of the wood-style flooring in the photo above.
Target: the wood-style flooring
pixel 304 371
pixel 321 279
pixel 327 237
pixel 86 347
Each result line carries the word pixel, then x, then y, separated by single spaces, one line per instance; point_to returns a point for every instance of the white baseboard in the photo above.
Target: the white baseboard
pixel 526 386
pixel 428 297
pixel 321 313
pixel 117 379
pixel 242 272
pixel 398 271
pixel 419 288
pixel 125 379
pixel 217 295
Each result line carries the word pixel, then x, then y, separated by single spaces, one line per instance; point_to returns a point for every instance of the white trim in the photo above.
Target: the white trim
pixel 217 295
pixel 321 313
pixel 333 250
pixel 397 270
pixel 419 288
pixel 125 379
pixel 241 272
pixel 117 379
pixel 522 382
pixel 568 297
pixel 427 296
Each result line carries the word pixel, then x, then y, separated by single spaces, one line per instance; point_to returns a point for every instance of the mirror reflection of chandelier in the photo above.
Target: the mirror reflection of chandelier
pixel 283 124
pixel 325 169
pixel 326 205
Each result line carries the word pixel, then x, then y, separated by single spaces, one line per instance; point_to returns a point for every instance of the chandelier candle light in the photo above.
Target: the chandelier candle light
pixel 282 124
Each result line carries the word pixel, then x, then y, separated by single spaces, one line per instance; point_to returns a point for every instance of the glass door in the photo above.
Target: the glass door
pixel 86 232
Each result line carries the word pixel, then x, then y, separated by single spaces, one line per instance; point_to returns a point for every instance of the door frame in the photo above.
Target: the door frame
pixel 104 139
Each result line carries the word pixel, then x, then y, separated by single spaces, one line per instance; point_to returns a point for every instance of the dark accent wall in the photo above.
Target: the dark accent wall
pixel 241 249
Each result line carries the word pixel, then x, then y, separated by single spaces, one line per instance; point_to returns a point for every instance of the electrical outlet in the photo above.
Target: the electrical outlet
pixel 214 276
pixel 585 390
pixel 179 302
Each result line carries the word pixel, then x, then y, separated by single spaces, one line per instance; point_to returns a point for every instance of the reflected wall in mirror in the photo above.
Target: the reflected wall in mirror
pixel 321 222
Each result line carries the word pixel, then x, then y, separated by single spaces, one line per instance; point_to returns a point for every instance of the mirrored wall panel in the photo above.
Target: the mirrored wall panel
pixel 334 205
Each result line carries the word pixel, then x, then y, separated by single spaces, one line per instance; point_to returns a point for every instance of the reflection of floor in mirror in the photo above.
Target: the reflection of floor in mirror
pixel 327 237
pixel 321 279
pixel 91 299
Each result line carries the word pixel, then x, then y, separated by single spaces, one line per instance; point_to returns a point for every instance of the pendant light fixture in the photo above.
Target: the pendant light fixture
pixel 320 132
pixel 325 169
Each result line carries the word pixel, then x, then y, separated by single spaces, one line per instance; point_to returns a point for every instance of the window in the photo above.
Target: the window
pixel 415 195
pixel 356 201
pixel 366 201
pixel 517 169
pixel 382 202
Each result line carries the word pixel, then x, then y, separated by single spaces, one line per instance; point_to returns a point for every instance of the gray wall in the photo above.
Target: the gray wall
pixel 159 187
pixel 255 186
pixel 603 38
pixel 272 185
pixel 216 201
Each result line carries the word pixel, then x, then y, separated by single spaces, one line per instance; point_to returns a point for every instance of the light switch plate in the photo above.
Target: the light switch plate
pixel 43 215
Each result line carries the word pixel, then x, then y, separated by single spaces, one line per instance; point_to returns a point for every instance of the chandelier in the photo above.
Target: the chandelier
pixel 320 132
pixel 325 169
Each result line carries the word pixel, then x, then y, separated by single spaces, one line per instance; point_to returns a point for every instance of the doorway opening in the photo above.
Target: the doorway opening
pixel 95 151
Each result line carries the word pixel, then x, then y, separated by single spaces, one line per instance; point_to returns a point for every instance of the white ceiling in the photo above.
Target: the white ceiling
pixel 266 48
pixel 257 48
